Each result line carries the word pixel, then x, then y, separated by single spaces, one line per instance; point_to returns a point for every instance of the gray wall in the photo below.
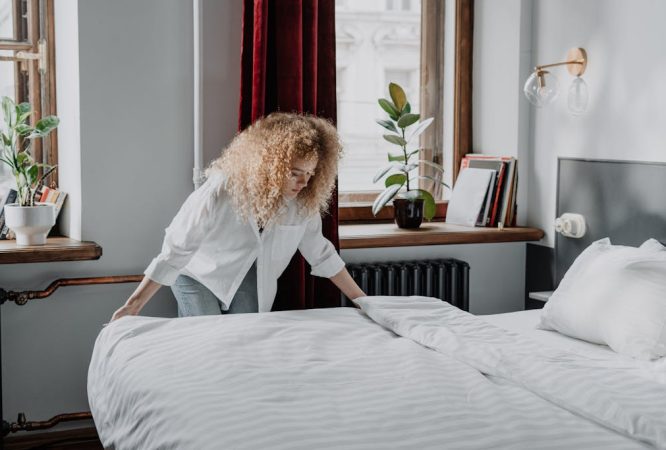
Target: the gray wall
pixel 132 100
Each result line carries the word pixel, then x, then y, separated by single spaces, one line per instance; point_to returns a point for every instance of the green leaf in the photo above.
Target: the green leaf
pixel 6 140
pixel 389 107
pixel 393 139
pixel 383 198
pixel 420 128
pixel 396 178
pixel 413 152
pixel 399 158
pixel 407 108
pixel 23 108
pixel 22 158
pixel 8 109
pixel 24 129
pixel 32 174
pixel 407 120
pixel 432 164
pixel 388 124
pixel 384 170
pixel 397 95
pixel 44 126
pixel 429 207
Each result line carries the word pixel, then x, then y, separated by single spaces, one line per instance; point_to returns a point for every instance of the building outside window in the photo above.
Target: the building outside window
pixel 377 42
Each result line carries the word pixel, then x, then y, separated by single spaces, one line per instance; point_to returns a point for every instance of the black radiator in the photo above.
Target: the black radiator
pixel 446 279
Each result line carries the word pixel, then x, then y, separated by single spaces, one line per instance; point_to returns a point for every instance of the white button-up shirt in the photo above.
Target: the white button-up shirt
pixel 209 242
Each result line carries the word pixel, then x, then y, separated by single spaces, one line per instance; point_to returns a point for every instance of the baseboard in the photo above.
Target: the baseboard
pixel 77 439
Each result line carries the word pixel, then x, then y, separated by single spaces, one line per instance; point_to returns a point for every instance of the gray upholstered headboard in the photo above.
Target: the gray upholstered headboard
pixel 624 200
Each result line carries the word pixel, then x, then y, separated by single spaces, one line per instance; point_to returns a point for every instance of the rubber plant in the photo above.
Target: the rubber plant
pixel 404 127
pixel 16 136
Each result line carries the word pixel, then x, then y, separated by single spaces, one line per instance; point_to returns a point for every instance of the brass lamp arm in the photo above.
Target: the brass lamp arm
pixel 540 68
pixel 576 62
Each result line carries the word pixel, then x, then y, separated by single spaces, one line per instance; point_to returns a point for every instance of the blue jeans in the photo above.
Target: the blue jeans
pixel 195 299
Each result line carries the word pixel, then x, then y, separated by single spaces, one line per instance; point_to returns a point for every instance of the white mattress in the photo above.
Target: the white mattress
pixel 330 379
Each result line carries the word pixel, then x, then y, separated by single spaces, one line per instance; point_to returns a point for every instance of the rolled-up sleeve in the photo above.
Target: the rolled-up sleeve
pixel 185 233
pixel 319 251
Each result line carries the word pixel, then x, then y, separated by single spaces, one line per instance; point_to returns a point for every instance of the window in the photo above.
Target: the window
pixel 400 41
pixel 27 66
pixel 376 43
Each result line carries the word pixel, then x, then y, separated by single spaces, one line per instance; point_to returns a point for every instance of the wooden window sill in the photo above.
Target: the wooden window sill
pixel 431 233
pixel 55 249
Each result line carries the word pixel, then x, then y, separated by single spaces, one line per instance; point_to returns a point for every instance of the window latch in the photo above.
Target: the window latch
pixel 40 56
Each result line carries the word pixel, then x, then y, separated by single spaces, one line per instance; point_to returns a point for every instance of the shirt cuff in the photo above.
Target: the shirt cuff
pixel 329 267
pixel 161 272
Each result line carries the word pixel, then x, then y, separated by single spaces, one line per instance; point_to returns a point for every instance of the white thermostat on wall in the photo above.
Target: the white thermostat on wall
pixel 571 225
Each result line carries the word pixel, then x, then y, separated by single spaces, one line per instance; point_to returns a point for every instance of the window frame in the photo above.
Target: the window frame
pixel 40 86
pixel 355 207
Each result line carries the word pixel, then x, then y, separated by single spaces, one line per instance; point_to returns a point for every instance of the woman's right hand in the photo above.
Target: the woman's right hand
pixel 138 299
pixel 127 309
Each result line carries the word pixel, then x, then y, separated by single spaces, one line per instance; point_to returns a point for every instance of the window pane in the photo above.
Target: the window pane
pixel 8 89
pixel 377 42
pixel 6 19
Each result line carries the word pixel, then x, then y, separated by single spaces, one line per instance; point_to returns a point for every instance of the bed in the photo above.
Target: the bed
pixel 398 372
pixel 403 374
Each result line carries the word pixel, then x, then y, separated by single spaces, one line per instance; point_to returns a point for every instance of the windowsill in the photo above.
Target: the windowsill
pixel 55 249
pixel 431 233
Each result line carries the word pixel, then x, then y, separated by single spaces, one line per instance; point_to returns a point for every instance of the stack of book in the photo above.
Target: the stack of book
pixel 43 194
pixel 499 206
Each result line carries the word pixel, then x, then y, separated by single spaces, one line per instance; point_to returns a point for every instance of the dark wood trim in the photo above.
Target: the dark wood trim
pixel 432 91
pixel 14 45
pixel 55 249
pixel 362 213
pixel 34 77
pixel 462 98
pixel 433 233
pixel 50 103
pixel 78 439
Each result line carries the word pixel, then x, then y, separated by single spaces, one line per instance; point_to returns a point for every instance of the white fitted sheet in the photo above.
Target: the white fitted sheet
pixel 525 323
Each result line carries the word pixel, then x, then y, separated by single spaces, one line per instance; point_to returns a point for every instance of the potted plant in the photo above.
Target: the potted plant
pixel 29 220
pixel 412 204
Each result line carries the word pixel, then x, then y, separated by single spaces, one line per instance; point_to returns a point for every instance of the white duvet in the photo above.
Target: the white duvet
pixel 420 374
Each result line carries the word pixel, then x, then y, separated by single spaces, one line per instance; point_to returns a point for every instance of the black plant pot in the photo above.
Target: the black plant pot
pixel 408 213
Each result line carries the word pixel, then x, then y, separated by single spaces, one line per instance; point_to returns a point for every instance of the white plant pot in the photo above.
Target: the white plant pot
pixel 31 224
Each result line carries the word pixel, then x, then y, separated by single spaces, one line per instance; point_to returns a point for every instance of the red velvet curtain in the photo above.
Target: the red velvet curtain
pixel 288 64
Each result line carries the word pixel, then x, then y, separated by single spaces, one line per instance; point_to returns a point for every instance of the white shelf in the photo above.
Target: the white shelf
pixel 541 296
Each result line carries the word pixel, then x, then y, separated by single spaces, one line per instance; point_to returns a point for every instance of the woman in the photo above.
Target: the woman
pixel 235 235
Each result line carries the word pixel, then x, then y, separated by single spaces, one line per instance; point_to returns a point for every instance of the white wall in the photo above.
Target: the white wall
pixel 627 65
pixel 500 122
pixel 134 91
pixel 626 47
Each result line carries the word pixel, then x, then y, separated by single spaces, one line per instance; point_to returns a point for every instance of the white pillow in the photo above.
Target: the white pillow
pixel 614 295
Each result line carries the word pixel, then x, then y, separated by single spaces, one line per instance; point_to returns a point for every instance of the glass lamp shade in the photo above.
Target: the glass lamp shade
pixel 541 88
pixel 578 96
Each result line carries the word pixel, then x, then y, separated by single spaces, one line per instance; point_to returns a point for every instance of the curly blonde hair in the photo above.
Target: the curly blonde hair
pixel 258 162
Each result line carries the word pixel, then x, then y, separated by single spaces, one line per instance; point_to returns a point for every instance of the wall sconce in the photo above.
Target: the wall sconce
pixel 542 86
